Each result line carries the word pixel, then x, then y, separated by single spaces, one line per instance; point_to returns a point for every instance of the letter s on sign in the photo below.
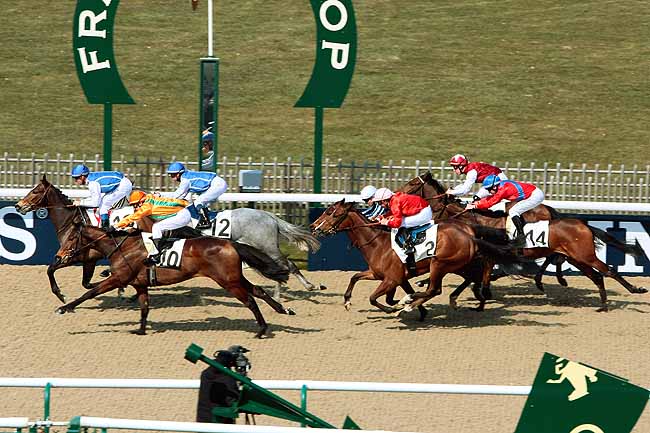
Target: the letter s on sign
pixel 21 235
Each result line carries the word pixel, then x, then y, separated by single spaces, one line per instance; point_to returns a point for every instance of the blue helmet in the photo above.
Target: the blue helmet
pixel 80 170
pixel 491 181
pixel 208 136
pixel 175 167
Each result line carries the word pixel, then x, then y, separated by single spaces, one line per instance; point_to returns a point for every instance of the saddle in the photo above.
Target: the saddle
pixel 184 232
pixel 413 235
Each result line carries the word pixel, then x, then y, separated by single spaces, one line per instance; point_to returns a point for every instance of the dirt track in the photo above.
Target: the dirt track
pixel 501 346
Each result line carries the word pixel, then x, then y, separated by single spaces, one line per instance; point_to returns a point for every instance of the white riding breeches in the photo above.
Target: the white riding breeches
pixel 482 192
pixel 217 187
pixel 536 198
pixel 422 217
pixel 182 218
pixel 110 198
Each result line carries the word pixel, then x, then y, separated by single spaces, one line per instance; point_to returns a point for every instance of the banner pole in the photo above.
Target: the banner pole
pixel 108 136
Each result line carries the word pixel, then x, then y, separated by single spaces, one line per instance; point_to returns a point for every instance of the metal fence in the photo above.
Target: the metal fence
pixel 572 182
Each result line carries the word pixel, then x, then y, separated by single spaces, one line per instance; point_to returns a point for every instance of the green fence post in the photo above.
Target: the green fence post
pixel 303 401
pixel 46 409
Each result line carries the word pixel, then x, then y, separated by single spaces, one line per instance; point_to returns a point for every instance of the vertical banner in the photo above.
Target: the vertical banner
pixel 336 52
pixel 92 42
pixel 569 397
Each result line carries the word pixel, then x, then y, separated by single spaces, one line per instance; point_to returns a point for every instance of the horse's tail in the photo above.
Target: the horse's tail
pixel 507 257
pixel 262 262
pixel 299 236
pixel 606 238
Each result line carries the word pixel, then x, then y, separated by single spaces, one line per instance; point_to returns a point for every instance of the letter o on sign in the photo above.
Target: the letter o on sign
pixel 323 15
pixel 588 428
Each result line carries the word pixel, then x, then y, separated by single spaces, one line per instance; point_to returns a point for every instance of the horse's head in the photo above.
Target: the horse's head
pixel 43 195
pixel 330 221
pixel 71 246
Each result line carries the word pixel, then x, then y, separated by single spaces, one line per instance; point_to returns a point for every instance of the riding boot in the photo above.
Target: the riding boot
pixel 519 229
pixel 104 223
pixel 204 219
pixel 410 263
pixel 154 259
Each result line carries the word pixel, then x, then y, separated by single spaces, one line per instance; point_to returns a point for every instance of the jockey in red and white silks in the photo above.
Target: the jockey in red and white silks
pixel 405 210
pixel 475 172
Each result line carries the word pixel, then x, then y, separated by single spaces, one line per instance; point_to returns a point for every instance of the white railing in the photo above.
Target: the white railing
pixel 331 198
pixel 135 424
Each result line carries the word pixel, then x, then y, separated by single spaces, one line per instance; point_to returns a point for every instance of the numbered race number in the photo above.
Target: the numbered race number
pixel 222 225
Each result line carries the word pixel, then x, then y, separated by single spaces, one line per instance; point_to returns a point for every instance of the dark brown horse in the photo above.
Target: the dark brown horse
pixel 215 258
pixel 457 251
pixel 64 215
pixel 443 206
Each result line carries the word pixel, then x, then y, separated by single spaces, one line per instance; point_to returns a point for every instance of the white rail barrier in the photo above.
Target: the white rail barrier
pixel 312 385
pixel 135 424
pixel 331 198
pixel 16 422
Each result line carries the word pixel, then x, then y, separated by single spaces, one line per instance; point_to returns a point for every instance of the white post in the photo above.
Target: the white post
pixel 210 51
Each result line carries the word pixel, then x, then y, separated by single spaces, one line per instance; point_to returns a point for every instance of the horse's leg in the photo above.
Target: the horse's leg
pixel 50 275
pixel 478 289
pixel 238 290
pixel 434 289
pixel 306 283
pixel 381 290
pixel 618 277
pixel 143 299
pixel 102 287
pixel 347 296
pixel 597 278
pixel 557 260
pixel 409 291
pixel 453 297
pixel 262 294
pixel 87 275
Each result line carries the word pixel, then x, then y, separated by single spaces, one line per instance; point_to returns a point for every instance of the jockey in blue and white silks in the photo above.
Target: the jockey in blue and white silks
pixel 106 188
pixel 208 185
pixel 375 210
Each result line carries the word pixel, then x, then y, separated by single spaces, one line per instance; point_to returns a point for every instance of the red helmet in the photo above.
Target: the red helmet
pixel 458 159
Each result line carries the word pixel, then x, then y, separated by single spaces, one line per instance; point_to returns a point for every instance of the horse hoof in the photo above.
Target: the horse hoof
pixel 105 273
pixel 603 309
pixel 63 310
pixel 562 282
pixel 290 312
pixel 347 305
pixel 405 300
pixel 423 313
pixel 640 290
pixel 322 287
pixel 139 332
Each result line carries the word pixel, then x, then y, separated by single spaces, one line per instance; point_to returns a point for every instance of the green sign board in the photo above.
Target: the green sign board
pixel 569 397
pixel 92 42
pixel 336 52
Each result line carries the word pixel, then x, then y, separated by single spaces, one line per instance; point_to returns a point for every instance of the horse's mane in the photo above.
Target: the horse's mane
pixel 65 198
pixel 428 178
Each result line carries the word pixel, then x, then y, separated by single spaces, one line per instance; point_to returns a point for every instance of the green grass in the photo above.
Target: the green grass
pixel 498 80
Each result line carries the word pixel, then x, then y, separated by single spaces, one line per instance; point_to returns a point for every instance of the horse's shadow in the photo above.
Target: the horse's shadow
pixel 509 311
pixel 210 324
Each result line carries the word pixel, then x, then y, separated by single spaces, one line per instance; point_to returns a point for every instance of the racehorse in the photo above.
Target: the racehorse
pixel 64 215
pixel 457 251
pixel 215 258
pixel 263 230
pixel 256 228
pixel 444 206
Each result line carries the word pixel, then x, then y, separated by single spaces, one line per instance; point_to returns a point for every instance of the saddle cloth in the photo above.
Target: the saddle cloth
pixel 423 250
pixel 171 257
pixel 536 233
pixel 220 223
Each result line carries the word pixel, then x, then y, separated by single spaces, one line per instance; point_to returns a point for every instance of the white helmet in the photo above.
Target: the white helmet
pixel 367 192
pixel 382 194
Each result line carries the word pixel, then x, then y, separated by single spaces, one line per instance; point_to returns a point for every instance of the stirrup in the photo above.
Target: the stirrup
pixel 152 260
pixel 203 224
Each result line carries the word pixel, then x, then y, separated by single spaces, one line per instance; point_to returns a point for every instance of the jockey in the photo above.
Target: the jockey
pixel 526 195
pixel 405 210
pixel 169 213
pixel 475 172
pixel 207 184
pixel 207 150
pixel 375 210
pixel 106 188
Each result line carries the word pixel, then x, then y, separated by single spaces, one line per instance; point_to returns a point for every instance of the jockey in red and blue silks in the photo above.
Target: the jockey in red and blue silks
pixel 208 185
pixel 106 188
pixel 475 172
pixel 526 196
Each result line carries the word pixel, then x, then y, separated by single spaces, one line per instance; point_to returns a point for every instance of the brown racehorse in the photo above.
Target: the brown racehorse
pixel 457 251
pixel 443 206
pixel 64 215
pixel 215 258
